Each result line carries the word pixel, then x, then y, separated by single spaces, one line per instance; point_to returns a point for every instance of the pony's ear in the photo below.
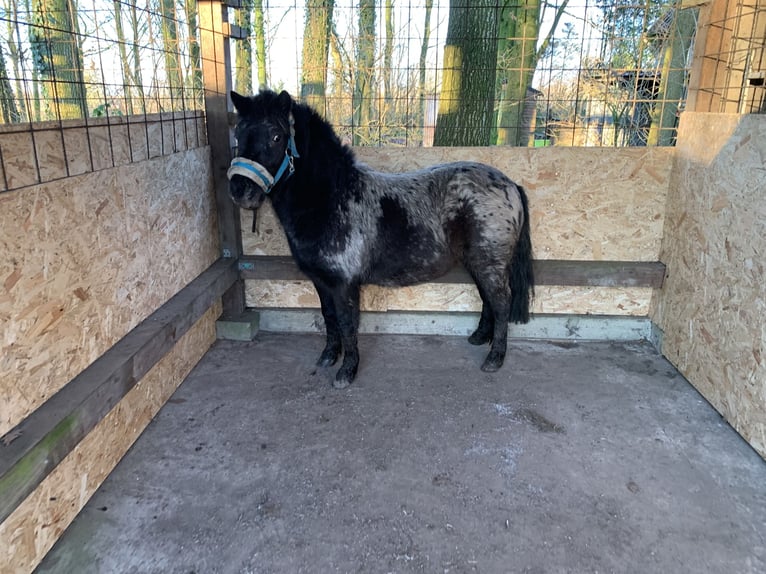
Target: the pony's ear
pixel 285 101
pixel 241 103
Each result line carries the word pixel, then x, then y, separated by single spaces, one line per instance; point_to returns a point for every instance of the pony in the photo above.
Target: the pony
pixel 348 225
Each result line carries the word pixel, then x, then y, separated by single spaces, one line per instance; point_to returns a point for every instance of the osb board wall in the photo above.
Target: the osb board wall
pixel 30 532
pixel 585 203
pixel 47 151
pixel 712 308
pixel 83 260
pixel 446 297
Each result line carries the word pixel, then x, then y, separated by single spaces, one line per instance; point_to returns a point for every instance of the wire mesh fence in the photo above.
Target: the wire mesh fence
pixel 76 59
pixel 733 69
pixel 476 72
pixel 91 84
pixel 384 72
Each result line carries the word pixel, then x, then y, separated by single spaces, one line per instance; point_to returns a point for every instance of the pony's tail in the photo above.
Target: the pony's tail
pixel 522 277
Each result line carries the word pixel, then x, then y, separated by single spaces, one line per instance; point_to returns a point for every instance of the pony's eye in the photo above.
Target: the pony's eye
pixel 277 138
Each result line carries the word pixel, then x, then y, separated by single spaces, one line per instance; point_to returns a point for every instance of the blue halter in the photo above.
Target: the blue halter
pixel 259 174
pixel 288 164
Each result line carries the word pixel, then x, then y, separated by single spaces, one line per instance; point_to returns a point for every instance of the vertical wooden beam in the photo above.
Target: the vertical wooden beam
pixel 695 100
pixel 213 23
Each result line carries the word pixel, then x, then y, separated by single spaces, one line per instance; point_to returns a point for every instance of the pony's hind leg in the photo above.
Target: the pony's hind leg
pixel 333 345
pixel 483 333
pixel 497 350
pixel 492 283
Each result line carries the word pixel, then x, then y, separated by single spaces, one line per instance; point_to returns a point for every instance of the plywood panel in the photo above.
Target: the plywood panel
pixel 168 134
pixel 120 144
pixel 33 528
pixel 77 150
pixel 192 137
pixel 447 297
pixel 713 304
pixel 586 203
pixel 100 147
pixel 84 259
pixel 154 139
pixel 179 128
pixel 50 154
pixel 18 153
pixel 139 145
pixel 3 185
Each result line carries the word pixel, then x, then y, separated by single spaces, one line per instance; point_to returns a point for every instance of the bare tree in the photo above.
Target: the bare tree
pixel 194 77
pixel 171 52
pixel 243 52
pixel 468 85
pixel 8 109
pixel 517 61
pixel 316 45
pixel 260 42
pixel 364 79
pixel 57 57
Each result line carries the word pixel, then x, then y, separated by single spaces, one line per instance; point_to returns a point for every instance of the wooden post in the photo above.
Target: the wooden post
pixel 213 25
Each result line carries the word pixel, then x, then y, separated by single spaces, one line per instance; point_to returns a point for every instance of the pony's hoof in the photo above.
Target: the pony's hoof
pixel 345 375
pixel 328 358
pixel 477 338
pixel 492 364
pixel 341 383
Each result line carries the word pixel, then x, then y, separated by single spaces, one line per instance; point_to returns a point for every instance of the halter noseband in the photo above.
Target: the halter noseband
pixel 258 174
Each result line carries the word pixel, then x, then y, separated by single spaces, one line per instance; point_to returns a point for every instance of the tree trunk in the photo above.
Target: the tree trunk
pixel 388 55
pixel 194 79
pixel 58 58
pixel 138 81
pixel 316 45
pixel 14 49
pixel 422 66
pixel 124 61
pixel 10 114
pixel 243 78
pixel 260 42
pixel 518 55
pixel 521 25
pixel 673 78
pixel 468 83
pixel 342 80
pixel 171 53
pixel 365 76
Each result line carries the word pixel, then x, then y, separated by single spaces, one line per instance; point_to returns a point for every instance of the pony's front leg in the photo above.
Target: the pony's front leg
pixel 346 299
pixel 333 346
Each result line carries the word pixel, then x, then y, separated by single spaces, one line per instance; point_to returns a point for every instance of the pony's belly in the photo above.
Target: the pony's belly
pixel 394 274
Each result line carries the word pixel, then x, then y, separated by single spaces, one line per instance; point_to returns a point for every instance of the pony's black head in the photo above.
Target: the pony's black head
pixel 265 146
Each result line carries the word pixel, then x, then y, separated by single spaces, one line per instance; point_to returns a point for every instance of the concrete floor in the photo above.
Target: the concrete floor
pixel 590 457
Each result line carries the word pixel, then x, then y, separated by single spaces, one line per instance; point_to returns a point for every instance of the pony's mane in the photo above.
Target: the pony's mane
pixel 323 157
pixel 319 138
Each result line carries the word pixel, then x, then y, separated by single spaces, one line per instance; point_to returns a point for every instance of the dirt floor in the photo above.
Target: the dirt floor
pixel 590 457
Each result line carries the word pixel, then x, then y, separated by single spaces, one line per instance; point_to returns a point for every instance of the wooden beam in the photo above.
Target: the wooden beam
pixel 547 272
pixel 214 26
pixel 37 444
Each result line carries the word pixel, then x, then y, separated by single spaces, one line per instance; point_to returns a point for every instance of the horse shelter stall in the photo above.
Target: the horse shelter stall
pixel 125 265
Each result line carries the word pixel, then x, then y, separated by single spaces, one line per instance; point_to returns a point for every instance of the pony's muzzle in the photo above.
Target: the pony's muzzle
pixel 249 181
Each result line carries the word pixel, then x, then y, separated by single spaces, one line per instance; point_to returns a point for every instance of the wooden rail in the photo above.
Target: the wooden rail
pixel 547 272
pixel 30 451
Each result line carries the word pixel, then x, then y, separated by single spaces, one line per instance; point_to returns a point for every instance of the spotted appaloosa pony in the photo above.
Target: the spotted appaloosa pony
pixel 349 225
